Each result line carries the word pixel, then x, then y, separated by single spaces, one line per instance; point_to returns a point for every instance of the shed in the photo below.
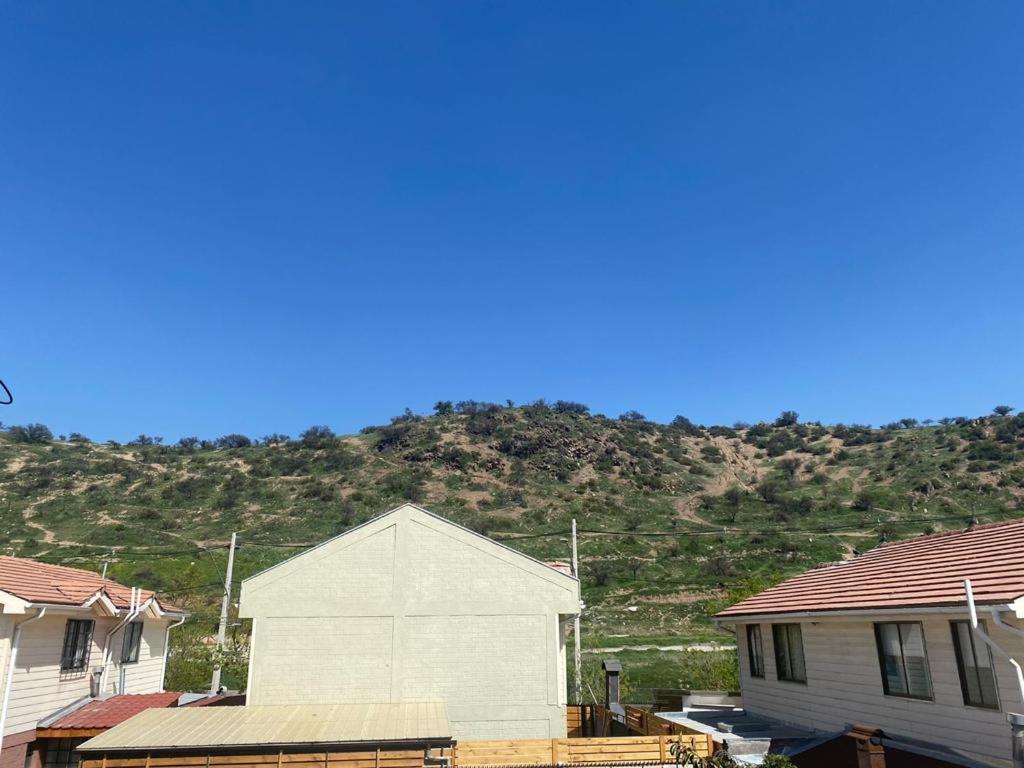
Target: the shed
pixel 378 735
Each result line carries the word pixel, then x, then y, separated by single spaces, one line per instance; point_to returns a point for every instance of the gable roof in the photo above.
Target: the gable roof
pixel 548 567
pixel 275 725
pixel 928 571
pixel 36 582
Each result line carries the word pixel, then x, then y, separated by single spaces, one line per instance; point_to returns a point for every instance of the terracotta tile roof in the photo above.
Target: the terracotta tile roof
pixel 926 571
pixel 107 713
pixel 46 583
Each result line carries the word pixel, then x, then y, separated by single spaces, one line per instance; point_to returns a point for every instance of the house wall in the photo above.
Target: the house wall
pixel 38 686
pixel 844 686
pixel 413 608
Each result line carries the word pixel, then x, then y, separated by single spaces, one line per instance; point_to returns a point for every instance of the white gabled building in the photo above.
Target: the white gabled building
pixel 885 640
pixel 411 607
pixel 68 635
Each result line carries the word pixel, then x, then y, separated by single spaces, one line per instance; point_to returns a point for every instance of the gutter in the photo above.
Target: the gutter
pixel 9 678
pixel 167 648
pixel 135 608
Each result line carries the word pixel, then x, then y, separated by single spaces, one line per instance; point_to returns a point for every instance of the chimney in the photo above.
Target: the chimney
pixel 1017 739
pixel 870 752
pixel 612 669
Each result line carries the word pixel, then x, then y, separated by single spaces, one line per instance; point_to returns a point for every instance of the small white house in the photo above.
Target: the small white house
pixel 885 640
pixel 411 607
pixel 67 636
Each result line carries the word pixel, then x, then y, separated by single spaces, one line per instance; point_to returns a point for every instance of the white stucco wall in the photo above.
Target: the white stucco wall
pixel 844 686
pixel 413 608
pixel 39 687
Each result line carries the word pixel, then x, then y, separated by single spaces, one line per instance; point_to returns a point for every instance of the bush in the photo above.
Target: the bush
pixel 316 436
pixel 787 419
pixel 632 416
pixel 144 440
pixel 568 406
pixel 444 408
pixel 31 433
pixel 233 441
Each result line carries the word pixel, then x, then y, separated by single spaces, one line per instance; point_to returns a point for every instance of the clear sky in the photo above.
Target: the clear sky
pixel 252 217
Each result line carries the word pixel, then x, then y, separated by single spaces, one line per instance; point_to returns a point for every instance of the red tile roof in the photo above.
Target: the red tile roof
pixel 45 583
pixel 926 571
pixel 107 713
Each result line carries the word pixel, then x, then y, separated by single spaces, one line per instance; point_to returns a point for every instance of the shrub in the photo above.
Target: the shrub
pixel 144 440
pixel 787 419
pixel 568 406
pixel 444 408
pixel 31 433
pixel 316 436
pixel 632 416
pixel 233 441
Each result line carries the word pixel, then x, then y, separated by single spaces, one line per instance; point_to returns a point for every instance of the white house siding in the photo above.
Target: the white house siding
pixel 413 608
pixel 844 686
pixel 38 686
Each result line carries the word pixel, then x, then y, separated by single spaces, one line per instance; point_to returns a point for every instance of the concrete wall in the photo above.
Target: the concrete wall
pixel 844 686
pixel 39 688
pixel 411 607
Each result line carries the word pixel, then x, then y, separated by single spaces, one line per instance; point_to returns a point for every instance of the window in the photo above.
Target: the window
pixel 903 660
pixel 74 656
pixel 755 651
pixel 60 753
pixel 131 642
pixel 789 653
pixel 974 663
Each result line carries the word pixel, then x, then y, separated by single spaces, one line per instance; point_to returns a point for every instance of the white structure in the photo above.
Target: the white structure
pixel 66 635
pixel 411 607
pixel 885 640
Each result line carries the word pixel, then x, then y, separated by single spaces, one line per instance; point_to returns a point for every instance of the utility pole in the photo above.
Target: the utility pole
pixel 577 651
pixel 222 628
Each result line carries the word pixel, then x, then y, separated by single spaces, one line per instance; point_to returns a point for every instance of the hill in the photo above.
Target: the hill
pixel 675 519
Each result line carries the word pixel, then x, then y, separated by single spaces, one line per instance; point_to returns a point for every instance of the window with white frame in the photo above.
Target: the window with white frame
pixel 903 659
pixel 789 653
pixel 975 666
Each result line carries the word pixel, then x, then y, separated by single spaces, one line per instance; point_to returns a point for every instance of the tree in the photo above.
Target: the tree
pixel 787 419
pixel 444 408
pixel 632 416
pixel 233 441
pixel 568 406
pixel 31 433
pixel 143 440
pixel 790 466
pixel 316 435
pixel 78 437
pixel 1003 410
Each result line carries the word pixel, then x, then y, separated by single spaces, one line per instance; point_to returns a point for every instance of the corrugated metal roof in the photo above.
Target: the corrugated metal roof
pixel 57 584
pixel 255 726
pixel 922 572
pixel 106 713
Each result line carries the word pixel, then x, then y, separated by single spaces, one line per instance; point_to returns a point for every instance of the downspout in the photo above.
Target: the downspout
pixel 167 648
pixel 134 609
pixel 9 678
pixel 1016 720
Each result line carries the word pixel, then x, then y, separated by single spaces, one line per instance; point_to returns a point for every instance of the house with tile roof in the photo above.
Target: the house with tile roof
pixel 67 637
pixel 411 607
pixel 887 640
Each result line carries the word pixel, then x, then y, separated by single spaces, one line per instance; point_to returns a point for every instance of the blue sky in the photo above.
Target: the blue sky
pixel 253 217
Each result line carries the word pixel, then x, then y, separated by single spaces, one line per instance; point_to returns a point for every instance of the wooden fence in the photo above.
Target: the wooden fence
pixel 655 750
pixel 588 720
pixel 646 723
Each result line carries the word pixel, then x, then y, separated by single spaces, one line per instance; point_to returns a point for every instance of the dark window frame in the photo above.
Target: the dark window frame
pixel 756 660
pixel 77 647
pixel 903 660
pixel 131 643
pixel 787 629
pixel 962 671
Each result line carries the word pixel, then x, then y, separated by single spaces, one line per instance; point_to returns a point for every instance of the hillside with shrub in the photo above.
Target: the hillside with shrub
pixel 675 519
